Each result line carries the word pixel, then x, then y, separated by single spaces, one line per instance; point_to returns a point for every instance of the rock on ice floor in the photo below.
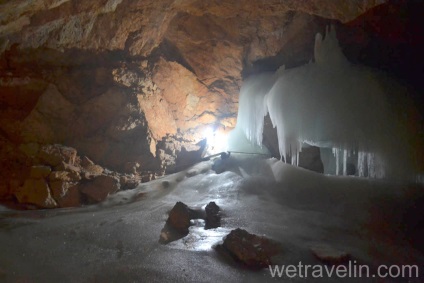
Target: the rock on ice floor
pixel 117 241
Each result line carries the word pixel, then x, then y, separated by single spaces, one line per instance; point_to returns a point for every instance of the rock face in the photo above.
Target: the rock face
pixel 133 84
pixel 56 176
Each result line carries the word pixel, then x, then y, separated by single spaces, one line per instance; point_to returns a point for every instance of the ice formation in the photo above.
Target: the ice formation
pixel 333 104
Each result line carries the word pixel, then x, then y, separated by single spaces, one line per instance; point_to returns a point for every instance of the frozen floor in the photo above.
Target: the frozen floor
pixel 118 240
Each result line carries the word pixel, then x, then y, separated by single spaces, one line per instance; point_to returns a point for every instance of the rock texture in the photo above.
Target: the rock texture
pixel 133 84
pixel 253 251
pixel 55 176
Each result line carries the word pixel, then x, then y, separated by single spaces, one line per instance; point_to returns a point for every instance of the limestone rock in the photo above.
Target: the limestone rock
pixel 99 188
pixel 65 193
pixel 176 227
pixel 128 183
pixel 330 255
pixel 64 176
pixel 213 217
pixel 35 191
pixel 53 155
pixel 254 251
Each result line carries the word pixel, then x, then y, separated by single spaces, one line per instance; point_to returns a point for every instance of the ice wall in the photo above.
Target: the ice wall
pixel 329 103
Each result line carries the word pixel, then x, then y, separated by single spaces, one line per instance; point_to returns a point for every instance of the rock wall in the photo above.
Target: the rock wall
pixel 132 84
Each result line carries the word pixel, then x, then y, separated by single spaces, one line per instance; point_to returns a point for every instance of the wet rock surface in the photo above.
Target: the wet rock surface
pixel 253 251
pixel 330 255
pixel 181 218
pixel 176 227
pixel 213 217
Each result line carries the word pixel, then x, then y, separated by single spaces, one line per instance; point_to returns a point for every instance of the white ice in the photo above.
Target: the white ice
pixel 331 103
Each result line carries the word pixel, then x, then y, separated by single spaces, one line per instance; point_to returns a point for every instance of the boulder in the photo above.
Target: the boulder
pixel 176 227
pixel 213 217
pixel 99 188
pixel 128 183
pixel 65 193
pixel 330 255
pixel 53 155
pixel 35 191
pixel 253 251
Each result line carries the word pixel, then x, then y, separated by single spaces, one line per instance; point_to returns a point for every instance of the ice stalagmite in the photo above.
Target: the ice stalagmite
pixel 329 103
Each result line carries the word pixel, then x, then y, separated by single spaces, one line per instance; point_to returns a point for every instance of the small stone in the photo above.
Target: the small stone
pixel 176 227
pixel 213 219
pixel 330 255
pixel 252 250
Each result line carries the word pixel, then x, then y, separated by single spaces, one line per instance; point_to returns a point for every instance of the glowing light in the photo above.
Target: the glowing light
pixel 216 141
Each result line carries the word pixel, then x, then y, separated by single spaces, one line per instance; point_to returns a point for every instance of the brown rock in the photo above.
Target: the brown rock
pixel 40 172
pixel 94 170
pixel 85 162
pixel 35 192
pixel 330 255
pixel 213 217
pixel 65 176
pixel 176 227
pixel 99 188
pixel 53 155
pixel 67 167
pixel 128 183
pixel 90 167
pixel 65 193
pixel 252 250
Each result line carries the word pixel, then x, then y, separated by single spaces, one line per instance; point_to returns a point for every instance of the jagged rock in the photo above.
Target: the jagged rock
pixel 252 250
pixel 176 227
pixel 65 193
pixel 53 155
pixel 35 191
pixel 213 217
pixel 128 183
pixel 85 162
pixel 99 188
pixel 131 167
pixel 66 176
pixel 40 172
pixel 330 255
pixel 67 167
pixel 90 167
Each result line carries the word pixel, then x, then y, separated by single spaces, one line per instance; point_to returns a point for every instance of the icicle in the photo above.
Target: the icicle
pixel 344 162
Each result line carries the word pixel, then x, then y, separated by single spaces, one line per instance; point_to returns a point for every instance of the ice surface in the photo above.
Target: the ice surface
pixel 331 103
pixel 117 241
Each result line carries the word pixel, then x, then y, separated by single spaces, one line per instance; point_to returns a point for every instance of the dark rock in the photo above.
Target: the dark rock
pixel 65 193
pixel 176 227
pixel 99 188
pixel 213 218
pixel 37 192
pixel 253 251
pixel 330 255
pixel 53 155
pixel 128 183
pixel 166 184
